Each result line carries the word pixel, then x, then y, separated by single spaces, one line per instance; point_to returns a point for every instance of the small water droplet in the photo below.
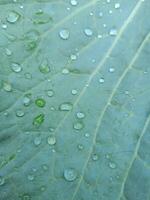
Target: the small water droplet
pixel 70 174
pixel 80 115
pixel 50 93
pixel 101 80
pixel 111 69
pixel 65 106
pixel 44 67
pixel 73 57
pixel 74 91
pixel 87 135
pixel 43 188
pixel 45 167
pixel 8 52
pixel 4 26
pixel 100 14
pixel 73 2
pixel 80 147
pixel 25 197
pixel 26 101
pixel 2 181
pixel 117 5
pixel 51 140
pixel 37 141
pixel 16 67
pixel 7 87
pixel 28 76
pixel 78 126
pixel 41 18
pixel 88 32
pixel 113 32
pixel 64 34
pixel 19 113
pixel 95 157
pixel 38 120
pixel 112 165
pixel 40 102
pixel 65 71
pixel 13 17
pixel 30 177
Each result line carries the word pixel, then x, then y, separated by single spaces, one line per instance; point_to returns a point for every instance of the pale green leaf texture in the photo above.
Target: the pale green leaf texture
pixel 75 100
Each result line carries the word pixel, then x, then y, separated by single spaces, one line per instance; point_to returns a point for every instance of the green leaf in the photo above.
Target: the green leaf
pixel 75 100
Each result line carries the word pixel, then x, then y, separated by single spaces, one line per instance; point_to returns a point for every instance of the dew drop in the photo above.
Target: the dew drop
pixel 88 32
pixel 65 106
pixel 87 135
pixel 112 165
pixel 37 141
pixel 19 113
pixel 7 87
pixel 80 115
pixel 100 14
pixel 2 181
pixel 70 174
pixel 65 71
pixel 73 57
pixel 38 120
pixel 40 102
pixel 26 101
pixel 4 26
pixel 51 140
pixel 101 80
pixel 64 34
pixel 44 67
pixel 50 93
pixel 111 69
pixel 16 67
pixel 13 17
pixel 94 157
pixel 30 177
pixel 74 91
pixel 8 52
pixel 80 147
pixel 78 126
pixel 113 32
pixel 73 2
pixel 117 5
pixel 41 18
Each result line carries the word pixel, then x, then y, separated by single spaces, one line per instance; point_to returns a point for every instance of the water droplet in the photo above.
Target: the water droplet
pixel 74 91
pixel 2 181
pixel 112 165
pixel 87 135
pixel 100 14
pixel 113 32
pixel 45 167
pixel 25 197
pixel 43 188
pixel 19 113
pixel 50 93
pixel 111 69
pixel 4 26
pixel 73 57
pixel 40 102
pixel 41 18
pixel 95 157
pixel 117 5
pixel 70 174
pixel 65 71
pixel 38 120
pixel 7 87
pixel 78 126
pixel 64 34
pixel 16 67
pixel 26 100
pixel 8 52
pixel 101 80
pixel 13 17
pixel 73 2
pixel 44 67
pixel 80 147
pixel 88 32
pixel 37 141
pixel 30 177
pixel 80 115
pixel 51 140
pixel 28 76
pixel 65 106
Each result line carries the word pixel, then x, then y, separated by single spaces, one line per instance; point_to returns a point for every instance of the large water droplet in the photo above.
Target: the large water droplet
pixel 16 67
pixel 64 34
pixel 65 106
pixel 13 17
pixel 70 174
pixel 40 102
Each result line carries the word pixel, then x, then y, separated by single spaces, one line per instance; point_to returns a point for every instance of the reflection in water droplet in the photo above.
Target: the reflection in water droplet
pixel 65 106
pixel 16 67
pixel 2 181
pixel 51 140
pixel 13 17
pixel 78 126
pixel 40 102
pixel 38 120
pixel 64 34
pixel 88 32
pixel 70 174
